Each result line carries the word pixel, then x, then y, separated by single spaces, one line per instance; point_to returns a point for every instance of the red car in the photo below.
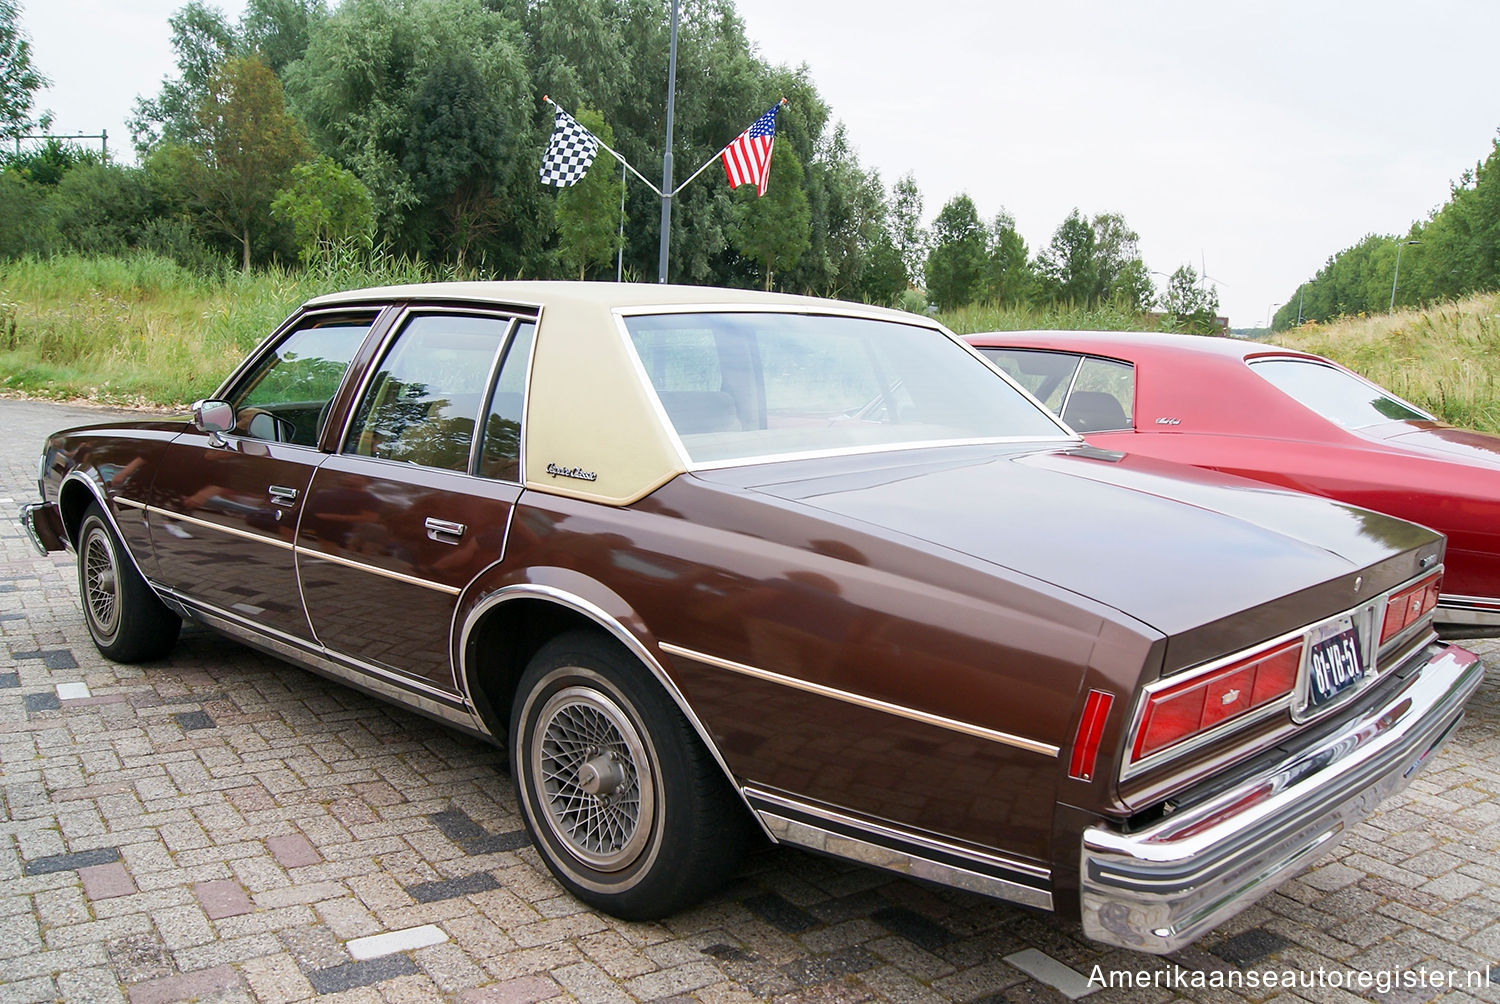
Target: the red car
pixel 1283 417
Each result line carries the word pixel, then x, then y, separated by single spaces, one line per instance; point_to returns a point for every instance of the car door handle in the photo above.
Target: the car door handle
pixel 281 495
pixel 443 530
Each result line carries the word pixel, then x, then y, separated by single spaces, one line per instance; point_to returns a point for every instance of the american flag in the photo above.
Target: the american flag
pixel 747 161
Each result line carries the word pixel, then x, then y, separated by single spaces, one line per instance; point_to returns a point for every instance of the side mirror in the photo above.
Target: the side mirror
pixel 213 417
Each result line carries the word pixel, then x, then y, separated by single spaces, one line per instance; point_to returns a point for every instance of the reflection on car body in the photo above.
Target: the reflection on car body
pixel 658 543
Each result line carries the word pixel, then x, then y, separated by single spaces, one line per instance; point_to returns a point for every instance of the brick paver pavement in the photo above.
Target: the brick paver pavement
pixel 224 827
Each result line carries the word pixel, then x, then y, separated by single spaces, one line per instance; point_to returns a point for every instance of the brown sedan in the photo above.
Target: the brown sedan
pixel 711 563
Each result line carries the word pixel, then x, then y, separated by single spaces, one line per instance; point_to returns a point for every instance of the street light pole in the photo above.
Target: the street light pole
pixel 1271 316
pixel 666 158
pixel 1396 277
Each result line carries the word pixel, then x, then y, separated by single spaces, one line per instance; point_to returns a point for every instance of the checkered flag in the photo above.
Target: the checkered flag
pixel 569 154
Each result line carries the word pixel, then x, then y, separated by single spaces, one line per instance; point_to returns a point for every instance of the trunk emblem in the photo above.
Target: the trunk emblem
pixel 1230 696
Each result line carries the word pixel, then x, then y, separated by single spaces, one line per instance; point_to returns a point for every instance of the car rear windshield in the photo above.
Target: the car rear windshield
pixel 1340 397
pixel 740 386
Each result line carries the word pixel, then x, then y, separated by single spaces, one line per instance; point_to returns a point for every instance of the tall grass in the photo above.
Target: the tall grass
pixel 141 330
pixel 1060 317
pixel 1445 358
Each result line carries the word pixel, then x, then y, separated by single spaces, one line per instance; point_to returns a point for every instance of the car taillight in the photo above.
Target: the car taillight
pixel 1090 730
pixel 1176 713
pixel 1410 605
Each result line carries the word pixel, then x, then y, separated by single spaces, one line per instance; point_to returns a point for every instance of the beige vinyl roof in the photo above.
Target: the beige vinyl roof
pixel 593 429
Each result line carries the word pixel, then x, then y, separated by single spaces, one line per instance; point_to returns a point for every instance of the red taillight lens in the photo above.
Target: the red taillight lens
pixel 1090 730
pixel 1409 605
pixel 1193 706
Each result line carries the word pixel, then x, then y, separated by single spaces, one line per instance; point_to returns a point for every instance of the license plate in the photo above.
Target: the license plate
pixel 1335 663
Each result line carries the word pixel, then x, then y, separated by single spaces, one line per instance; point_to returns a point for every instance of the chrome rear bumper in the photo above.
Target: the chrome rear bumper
pixel 1159 888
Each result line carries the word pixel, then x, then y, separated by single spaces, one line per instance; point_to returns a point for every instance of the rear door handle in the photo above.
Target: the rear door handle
pixel 281 495
pixel 443 530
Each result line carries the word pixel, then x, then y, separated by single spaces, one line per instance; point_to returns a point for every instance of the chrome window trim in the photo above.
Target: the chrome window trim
pixel 402 318
pixel 487 397
pixel 868 703
pixel 622 314
pixel 285 328
pixel 620 633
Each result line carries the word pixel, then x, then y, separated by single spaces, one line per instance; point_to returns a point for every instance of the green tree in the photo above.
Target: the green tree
pixel 19 79
pixel 101 208
pixel 324 205
pixel 450 164
pixel 1009 278
pixel 956 264
pixel 1190 304
pixel 1069 267
pixel 774 229
pixel 203 41
pixel 454 152
pixel 25 226
pixel 247 145
pixel 588 213
pixel 907 234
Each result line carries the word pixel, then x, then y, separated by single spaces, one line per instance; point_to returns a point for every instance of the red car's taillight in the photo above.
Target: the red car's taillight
pixel 1410 605
pixel 1176 713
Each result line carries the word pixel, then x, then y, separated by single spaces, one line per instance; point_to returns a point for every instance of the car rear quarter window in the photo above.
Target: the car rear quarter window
pixel 422 405
pixel 1091 393
pixel 500 456
pixel 742 386
pixel 1342 398
pixel 1103 396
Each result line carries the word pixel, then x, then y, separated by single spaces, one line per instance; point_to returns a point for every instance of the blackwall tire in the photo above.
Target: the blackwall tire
pixel 630 811
pixel 125 618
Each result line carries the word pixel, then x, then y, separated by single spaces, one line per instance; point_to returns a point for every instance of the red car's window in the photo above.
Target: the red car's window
pixel 1048 375
pixel 1342 398
pixel 1103 396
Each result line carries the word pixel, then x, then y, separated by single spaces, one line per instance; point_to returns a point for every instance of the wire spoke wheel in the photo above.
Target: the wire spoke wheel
pixel 592 770
pixel 627 807
pixel 125 618
pixel 101 582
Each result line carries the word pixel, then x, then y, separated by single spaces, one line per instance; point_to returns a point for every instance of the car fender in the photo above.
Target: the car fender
pixel 591 600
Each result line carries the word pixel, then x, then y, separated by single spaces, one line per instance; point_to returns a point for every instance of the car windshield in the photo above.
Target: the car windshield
pixel 739 386
pixel 1340 397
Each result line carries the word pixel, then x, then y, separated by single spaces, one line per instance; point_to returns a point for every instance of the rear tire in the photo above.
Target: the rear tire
pixel 125 618
pixel 629 809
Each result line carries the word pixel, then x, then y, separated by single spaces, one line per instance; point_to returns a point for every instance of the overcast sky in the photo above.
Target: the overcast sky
pixel 1258 138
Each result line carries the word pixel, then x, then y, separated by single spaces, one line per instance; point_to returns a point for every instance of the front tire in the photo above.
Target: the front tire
pixel 125 618
pixel 628 808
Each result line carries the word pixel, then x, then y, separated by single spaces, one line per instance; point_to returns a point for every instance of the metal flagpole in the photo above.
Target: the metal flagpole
pixel 666 158
pixel 620 251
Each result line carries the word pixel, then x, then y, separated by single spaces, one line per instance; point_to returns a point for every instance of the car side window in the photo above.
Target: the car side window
pixel 285 397
pixel 1103 396
pixel 424 400
pixel 1048 375
pixel 500 455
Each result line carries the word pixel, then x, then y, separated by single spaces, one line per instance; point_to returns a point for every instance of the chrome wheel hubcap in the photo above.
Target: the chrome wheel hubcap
pixel 100 582
pixel 592 772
